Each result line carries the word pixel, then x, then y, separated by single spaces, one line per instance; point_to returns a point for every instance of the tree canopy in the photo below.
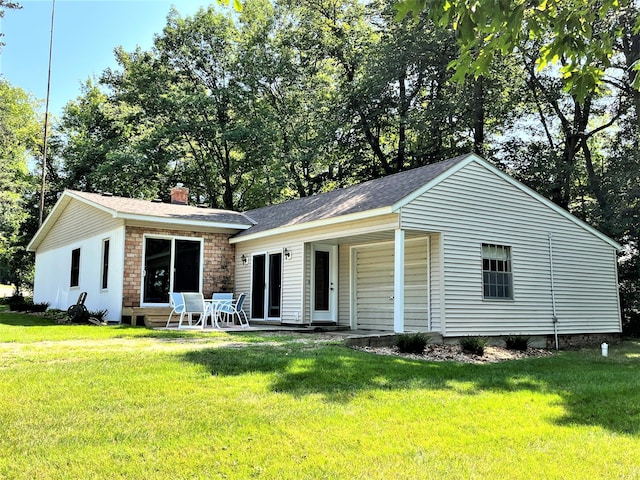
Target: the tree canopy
pixel 566 32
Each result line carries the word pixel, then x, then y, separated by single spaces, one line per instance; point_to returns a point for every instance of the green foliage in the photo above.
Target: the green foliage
pixel 474 345
pixel 412 342
pixel 18 303
pixel 19 131
pixel 237 4
pixel 517 342
pixel 564 29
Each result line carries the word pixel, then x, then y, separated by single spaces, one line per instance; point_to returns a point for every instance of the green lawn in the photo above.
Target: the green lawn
pixel 117 402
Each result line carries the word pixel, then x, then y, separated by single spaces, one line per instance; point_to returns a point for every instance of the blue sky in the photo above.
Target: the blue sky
pixel 84 37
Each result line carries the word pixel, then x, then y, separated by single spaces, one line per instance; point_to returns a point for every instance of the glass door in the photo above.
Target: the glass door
pixel 266 286
pixel 275 285
pixel 186 272
pixel 157 268
pixel 258 286
pixel 170 265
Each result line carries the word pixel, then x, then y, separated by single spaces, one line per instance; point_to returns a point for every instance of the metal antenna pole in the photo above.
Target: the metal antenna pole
pixel 46 118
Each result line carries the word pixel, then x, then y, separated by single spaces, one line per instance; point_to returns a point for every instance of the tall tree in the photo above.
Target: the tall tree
pixel 19 130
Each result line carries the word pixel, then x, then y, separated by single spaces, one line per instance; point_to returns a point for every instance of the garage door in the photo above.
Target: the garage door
pixel 374 286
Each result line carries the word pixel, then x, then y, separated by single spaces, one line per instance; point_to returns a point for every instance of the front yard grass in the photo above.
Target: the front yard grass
pixel 118 402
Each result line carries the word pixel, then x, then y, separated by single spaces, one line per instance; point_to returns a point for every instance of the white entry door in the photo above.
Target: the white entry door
pixel 324 288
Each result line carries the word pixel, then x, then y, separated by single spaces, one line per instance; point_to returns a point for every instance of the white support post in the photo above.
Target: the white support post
pixel 398 283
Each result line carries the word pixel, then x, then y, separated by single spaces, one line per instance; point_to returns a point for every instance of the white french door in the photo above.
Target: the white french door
pixel 324 289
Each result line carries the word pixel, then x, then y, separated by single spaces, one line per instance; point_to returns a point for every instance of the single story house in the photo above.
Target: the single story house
pixel 456 248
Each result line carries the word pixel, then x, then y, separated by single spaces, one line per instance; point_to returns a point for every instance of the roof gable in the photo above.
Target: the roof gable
pixel 123 207
pixel 375 195
pixel 381 196
pixel 144 211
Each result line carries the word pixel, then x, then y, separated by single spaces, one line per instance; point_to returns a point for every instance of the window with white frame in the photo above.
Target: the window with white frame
pixel 75 268
pixel 497 277
pixel 104 281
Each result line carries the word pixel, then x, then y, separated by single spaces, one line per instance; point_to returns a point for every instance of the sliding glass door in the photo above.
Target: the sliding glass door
pixel 266 286
pixel 170 265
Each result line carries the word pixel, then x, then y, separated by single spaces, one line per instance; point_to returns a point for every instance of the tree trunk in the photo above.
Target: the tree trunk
pixel 478 115
pixel 402 127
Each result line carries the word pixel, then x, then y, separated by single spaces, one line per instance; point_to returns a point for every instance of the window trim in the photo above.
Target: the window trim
pixel 502 267
pixel 74 277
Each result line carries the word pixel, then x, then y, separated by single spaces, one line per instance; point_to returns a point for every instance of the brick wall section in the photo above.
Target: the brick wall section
pixel 218 270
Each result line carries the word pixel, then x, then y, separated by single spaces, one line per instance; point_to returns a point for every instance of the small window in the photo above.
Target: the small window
pixel 497 279
pixel 105 264
pixel 75 268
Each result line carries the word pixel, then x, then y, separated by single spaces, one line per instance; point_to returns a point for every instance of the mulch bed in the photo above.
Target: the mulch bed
pixel 453 353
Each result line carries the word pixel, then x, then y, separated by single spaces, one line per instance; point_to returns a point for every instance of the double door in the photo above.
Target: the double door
pixel 266 286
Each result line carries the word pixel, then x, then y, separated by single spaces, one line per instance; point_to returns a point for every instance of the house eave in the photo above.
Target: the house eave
pixel 314 224
pixel 131 218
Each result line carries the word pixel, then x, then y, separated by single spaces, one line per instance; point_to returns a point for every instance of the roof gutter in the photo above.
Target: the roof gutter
pixel 178 221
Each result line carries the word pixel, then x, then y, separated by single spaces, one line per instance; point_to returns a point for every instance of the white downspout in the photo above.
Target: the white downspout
pixel 553 291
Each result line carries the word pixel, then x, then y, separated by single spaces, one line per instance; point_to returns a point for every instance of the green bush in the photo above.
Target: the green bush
pixel 516 342
pixel 412 342
pixel 17 303
pixel 474 345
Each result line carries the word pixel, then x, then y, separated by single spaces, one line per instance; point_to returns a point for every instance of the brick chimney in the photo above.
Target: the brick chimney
pixel 179 195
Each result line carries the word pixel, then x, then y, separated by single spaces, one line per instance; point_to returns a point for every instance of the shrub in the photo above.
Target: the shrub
pixel 412 342
pixel 474 345
pixel 98 314
pixel 16 303
pixel 515 342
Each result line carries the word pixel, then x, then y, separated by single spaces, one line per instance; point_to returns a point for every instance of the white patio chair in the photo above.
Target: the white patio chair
pixel 194 304
pixel 177 307
pixel 234 309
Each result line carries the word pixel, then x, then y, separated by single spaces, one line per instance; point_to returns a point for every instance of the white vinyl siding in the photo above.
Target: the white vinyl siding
pixel 76 222
pixel 374 278
pixel 475 206
pixel 374 287
pixel 344 286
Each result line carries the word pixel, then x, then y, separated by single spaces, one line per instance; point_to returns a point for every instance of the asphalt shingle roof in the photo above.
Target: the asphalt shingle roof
pixel 379 193
pixel 166 211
